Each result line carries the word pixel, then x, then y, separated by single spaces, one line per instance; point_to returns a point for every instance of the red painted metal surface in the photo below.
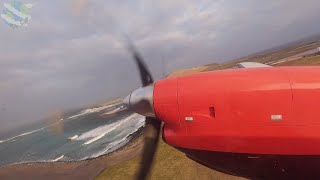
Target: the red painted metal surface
pixel 262 111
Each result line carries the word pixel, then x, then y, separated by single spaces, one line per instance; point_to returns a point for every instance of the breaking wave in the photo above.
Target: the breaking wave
pixel 20 135
pixel 57 159
pixel 101 131
pixel 92 110
pixel 73 137
pixel 78 143
pixel 111 147
pixel 121 108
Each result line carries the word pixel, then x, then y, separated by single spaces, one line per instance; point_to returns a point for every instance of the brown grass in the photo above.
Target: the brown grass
pixel 308 61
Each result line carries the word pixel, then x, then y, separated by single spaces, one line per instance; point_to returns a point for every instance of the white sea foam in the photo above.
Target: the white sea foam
pixel 101 131
pixel 57 159
pixel 92 110
pixel 113 111
pixel 121 108
pixel 94 139
pixel 121 142
pixel 115 136
pixel 111 147
pixel 73 137
pixel 20 135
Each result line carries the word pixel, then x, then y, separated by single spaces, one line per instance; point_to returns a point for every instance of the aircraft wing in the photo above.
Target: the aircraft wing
pixel 251 65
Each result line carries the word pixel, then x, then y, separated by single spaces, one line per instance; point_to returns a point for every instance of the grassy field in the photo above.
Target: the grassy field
pixel 308 61
pixel 169 164
pixel 172 164
pixel 264 58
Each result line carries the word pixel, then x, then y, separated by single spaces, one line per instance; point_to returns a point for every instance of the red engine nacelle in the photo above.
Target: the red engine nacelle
pixel 261 111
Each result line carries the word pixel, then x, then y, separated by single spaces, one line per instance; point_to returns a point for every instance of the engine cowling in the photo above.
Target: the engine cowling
pixel 244 110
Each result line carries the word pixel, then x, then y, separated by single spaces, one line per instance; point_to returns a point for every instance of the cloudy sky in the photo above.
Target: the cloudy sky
pixel 73 52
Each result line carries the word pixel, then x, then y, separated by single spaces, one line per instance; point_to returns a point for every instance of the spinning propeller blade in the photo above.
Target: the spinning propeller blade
pixel 141 101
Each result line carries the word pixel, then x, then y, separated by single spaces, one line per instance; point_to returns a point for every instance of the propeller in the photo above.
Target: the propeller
pixel 141 101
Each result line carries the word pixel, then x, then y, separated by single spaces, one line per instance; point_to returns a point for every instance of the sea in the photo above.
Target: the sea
pixel 80 135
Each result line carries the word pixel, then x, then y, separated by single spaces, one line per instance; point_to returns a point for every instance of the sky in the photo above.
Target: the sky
pixel 72 53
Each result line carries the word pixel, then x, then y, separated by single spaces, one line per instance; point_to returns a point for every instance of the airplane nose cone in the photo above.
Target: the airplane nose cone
pixel 141 101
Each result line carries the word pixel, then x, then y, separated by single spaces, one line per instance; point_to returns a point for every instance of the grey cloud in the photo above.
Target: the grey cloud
pixel 73 53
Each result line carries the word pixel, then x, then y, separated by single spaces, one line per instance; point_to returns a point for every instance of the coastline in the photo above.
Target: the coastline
pixel 84 169
pixel 180 166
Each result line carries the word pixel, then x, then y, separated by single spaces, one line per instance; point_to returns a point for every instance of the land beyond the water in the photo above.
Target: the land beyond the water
pixel 169 163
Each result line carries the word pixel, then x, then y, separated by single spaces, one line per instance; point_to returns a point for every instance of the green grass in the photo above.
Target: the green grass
pixel 169 164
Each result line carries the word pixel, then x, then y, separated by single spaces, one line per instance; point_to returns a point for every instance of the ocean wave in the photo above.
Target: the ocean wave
pixel 73 137
pixel 101 131
pixel 43 161
pixel 112 111
pixel 57 159
pixel 92 110
pixel 115 136
pixel 94 139
pixel 111 147
pixel 121 108
pixel 118 143
pixel 20 135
